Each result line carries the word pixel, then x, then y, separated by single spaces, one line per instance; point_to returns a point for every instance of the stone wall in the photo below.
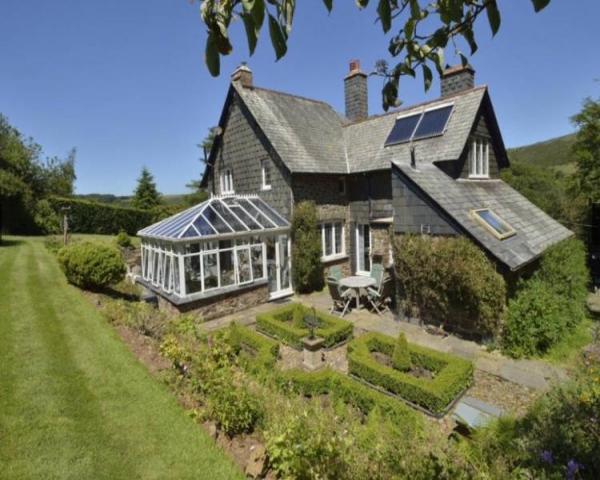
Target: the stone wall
pixel 219 305
pixel 380 236
pixel 324 190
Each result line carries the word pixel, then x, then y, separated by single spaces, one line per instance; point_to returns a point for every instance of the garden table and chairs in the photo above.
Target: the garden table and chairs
pixel 356 283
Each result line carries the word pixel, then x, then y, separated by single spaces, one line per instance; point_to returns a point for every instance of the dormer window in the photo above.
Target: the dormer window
pixel 479 158
pixel 227 181
pixel 266 175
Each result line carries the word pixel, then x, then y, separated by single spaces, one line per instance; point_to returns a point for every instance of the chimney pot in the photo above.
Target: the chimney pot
pixel 456 79
pixel 243 75
pixel 356 93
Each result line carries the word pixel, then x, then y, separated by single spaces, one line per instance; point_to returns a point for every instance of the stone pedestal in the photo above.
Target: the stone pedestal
pixel 312 350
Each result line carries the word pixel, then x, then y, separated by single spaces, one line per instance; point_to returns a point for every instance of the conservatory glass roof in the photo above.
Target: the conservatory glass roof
pixel 226 215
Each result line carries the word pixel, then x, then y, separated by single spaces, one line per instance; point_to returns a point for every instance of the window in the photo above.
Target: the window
pixel 266 174
pixel 493 223
pixel 479 158
pixel 332 240
pixel 423 124
pixel 342 186
pixel 227 181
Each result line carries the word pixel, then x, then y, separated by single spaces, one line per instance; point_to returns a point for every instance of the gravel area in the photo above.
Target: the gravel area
pixel 334 358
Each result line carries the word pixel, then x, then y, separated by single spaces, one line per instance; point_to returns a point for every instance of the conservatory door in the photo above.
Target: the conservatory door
pixel 279 266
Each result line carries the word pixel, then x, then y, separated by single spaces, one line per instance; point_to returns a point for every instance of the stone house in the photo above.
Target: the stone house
pixel 431 168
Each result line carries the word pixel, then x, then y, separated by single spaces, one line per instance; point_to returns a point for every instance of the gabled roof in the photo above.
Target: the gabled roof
pixel 307 134
pixel 218 216
pixel 310 137
pixel 535 230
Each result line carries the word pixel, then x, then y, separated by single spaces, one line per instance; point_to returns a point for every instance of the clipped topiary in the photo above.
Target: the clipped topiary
pixel 401 356
pixel 298 317
pixel 91 265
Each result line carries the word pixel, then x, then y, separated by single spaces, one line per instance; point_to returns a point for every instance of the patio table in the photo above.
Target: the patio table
pixel 356 282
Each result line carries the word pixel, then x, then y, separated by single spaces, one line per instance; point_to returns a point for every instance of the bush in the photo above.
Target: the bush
pixel 46 219
pixel 451 375
pixel 233 408
pixel 550 304
pixel 401 356
pixel 282 324
pixel 91 265
pixel 307 269
pixel 449 281
pixel 534 321
pixel 123 240
pixel 94 217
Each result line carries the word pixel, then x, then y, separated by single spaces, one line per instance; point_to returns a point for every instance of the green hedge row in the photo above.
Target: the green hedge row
pixel 100 218
pixel 280 323
pixel 452 375
pixel 260 351
pixel 323 382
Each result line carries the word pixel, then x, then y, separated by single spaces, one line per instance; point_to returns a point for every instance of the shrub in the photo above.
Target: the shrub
pixel 91 265
pixel 123 240
pixel 53 244
pixel 451 375
pixel 534 321
pixel 281 323
pixel 306 443
pixel 401 356
pixel 549 304
pixel 259 351
pixel 307 269
pixel 233 408
pixel 94 217
pixel 449 281
pixel 46 219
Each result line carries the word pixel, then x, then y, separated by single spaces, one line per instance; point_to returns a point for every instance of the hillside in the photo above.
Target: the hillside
pixel 555 152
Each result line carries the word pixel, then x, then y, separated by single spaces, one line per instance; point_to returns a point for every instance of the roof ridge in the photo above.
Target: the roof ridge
pixel 300 97
pixel 416 105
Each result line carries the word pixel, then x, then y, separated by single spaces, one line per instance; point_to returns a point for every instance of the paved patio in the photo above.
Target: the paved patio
pixel 529 373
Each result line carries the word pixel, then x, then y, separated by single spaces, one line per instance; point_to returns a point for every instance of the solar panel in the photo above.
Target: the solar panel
pixel 403 129
pixel 433 122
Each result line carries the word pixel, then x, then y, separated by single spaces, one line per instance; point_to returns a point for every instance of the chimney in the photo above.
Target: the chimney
pixel 355 93
pixel 242 74
pixel 456 79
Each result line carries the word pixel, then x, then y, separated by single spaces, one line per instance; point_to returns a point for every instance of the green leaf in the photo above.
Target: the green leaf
pixel 427 76
pixel 493 15
pixel 415 9
pixel 250 32
pixel 463 59
pixel 467 33
pixel 277 37
pixel 362 3
pixel 540 4
pixel 328 5
pixel 211 56
pixel 248 5
pixel 390 94
pixel 258 14
pixel 385 15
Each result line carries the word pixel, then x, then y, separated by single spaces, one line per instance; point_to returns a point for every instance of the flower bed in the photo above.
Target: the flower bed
pixel 284 325
pixel 450 375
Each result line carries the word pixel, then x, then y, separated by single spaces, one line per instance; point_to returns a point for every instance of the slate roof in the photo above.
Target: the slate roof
pixel 535 230
pixel 310 137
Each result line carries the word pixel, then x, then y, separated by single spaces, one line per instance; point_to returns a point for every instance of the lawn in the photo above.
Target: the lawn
pixel 74 402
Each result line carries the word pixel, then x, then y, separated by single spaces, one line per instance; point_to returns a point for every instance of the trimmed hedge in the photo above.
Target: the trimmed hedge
pixel 280 324
pixel 91 265
pixel 100 218
pixel 265 350
pixel 452 375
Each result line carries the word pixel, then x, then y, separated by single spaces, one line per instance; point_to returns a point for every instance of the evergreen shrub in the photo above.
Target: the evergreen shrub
pixel 91 265
pixel 307 269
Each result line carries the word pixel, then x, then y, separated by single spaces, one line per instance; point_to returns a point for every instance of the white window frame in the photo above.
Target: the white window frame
pixel 264 166
pixel 227 182
pixel 358 227
pixel 479 158
pixel 335 254
pixel 510 231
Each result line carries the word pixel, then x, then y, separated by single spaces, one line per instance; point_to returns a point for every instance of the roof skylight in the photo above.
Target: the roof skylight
pixel 425 124
pixel 493 223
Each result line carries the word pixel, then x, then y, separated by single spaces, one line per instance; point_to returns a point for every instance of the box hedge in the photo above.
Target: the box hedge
pixel 279 323
pixel 451 375
pixel 262 352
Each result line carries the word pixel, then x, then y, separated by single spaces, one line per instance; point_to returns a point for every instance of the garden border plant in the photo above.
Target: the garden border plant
pixel 453 375
pixel 282 325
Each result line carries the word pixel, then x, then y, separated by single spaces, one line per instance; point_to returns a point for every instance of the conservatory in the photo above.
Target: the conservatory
pixel 225 244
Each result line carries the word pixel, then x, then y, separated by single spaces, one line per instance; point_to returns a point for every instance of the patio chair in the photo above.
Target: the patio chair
pixel 377 272
pixel 341 300
pixel 335 272
pixel 381 298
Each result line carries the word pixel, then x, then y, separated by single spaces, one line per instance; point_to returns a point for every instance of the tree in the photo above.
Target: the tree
pixel 307 268
pixel 146 195
pixel 426 28
pixel 587 150
pixel 199 194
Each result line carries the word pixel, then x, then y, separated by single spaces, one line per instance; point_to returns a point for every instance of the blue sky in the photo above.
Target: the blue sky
pixel 124 81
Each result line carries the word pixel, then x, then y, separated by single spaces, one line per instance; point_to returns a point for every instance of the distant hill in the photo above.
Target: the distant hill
pixel 555 153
